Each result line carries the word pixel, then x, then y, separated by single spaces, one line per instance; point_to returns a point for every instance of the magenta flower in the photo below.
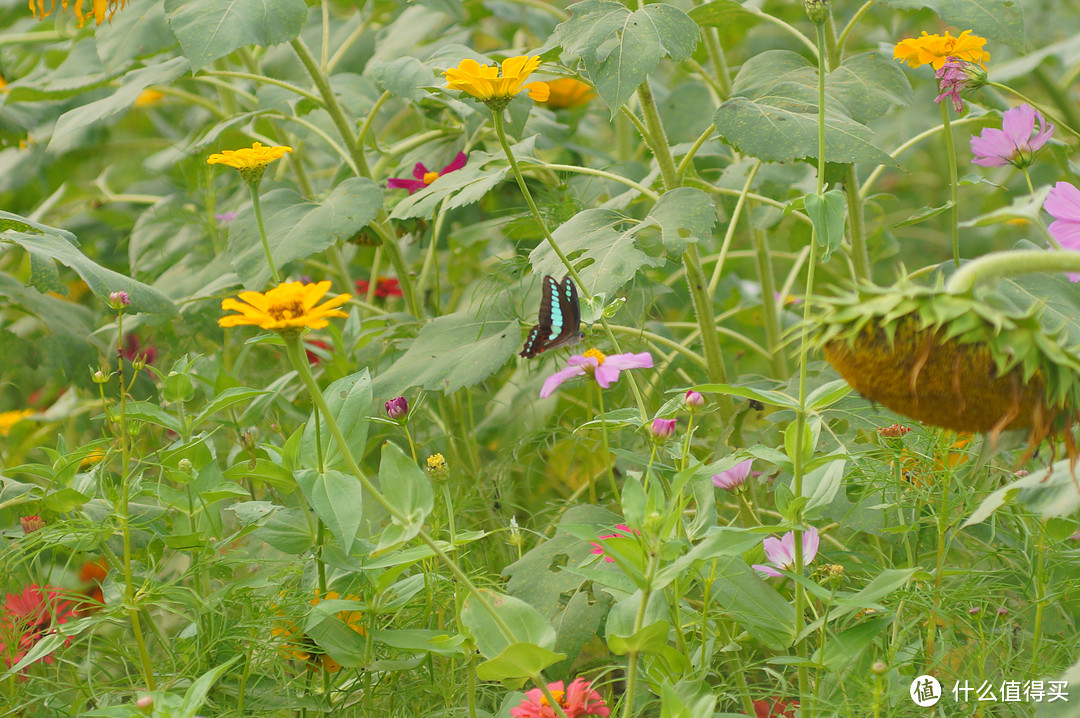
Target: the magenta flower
pixel 397 408
pixel 734 477
pixel 605 369
pixel 621 531
pixel 1013 144
pixel 424 176
pixel 952 79
pixel 577 701
pixel 662 428
pixel 693 400
pixel 1063 203
pixel 781 552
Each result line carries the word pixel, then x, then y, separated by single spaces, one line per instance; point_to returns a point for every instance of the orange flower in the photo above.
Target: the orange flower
pixel 490 83
pixel 568 92
pixel 290 306
pixel 100 9
pixel 935 50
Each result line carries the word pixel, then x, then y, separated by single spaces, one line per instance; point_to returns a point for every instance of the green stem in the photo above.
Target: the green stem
pixel 842 40
pixel 607 447
pixel 942 535
pixel 769 304
pixel 257 208
pixel 1060 98
pixel 1040 599
pixel 639 621
pixel 954 184
pixel 859 254
pixel 655 136
pixel 1042 108
pixel 999 265
pixel 729 234
pixel 719 61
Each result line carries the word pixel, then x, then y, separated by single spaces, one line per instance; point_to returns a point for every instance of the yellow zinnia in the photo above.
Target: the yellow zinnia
pixel 255 157
pixel 488 83
pixel 290 306
pixel 9 419
pixel 568 92
pixel 935 50
pixel 100 9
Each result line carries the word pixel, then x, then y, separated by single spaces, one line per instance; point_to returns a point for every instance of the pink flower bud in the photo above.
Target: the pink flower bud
pixel 663 428
pixel 397 408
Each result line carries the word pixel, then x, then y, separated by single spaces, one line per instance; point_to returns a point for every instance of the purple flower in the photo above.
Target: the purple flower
pixel 424 176
pixel 781 552
pixel 1013 144
pixel 734 477
pixel 693 400
pixel 119 300
pixel 952 79
pixel 1063 203
pixel 663 428
pixel 397 408
pixel 225 217
pixel 605 369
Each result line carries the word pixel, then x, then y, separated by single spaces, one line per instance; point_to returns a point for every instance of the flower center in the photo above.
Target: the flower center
pixel 430 177
pixel 557 695
pixel 597 355
pixel 286 310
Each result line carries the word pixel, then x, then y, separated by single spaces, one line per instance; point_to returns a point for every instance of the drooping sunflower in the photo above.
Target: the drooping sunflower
pixel 288 307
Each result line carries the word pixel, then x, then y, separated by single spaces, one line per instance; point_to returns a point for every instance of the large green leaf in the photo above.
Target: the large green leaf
pixel 754 604
pixel 49 243
pixel 140 31
pixel 210 29
pixel 621 48
pixel 604 253
pixel 66 134
pixel 349 399
pixel 827 212
pixel 297 228
pixel 998 20
pixel 453 351
pixel 773 111
pixel 525 623
pixel 685 215
pixel 1047 494
pixel 81 70
pixel 336 498
pixel 407 488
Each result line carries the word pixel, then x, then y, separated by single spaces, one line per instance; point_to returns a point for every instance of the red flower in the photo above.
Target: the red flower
pixel 775 708
pixel 312 357
pixel 27 617
pixel 134 350
pixel 424 176
pixel 384 287
pixel 577 701
pixel 621 531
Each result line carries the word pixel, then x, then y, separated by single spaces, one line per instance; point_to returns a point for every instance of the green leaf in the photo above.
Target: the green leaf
pixel 626 615
pixel 196 694
pixel 44 276
pixel 66 135
pixel 997 20
pixel 685 215
pixel 773 114
pixel 140 31
pixel 1047 495
pixel 404 77
pixel 80 71
pixel 50 243
pixel 407 488
pixel 451 352
pixel 336 498
pixel 827 394
pixel 924 213
pixel 288 531
pixel 229 397
pixel 64 500
pixel 729 17
pixel 520 660
pixel 482 172
pixel 765 396
pixel 210 29
pixel 868 85
pixel 526 624
pixel 344 642
pixel 821 484
pixel 297 228
pixel 827 212
pixel 349 399
pixel 754 604
pixel 651 639
pixel 621 48
pixel 595 236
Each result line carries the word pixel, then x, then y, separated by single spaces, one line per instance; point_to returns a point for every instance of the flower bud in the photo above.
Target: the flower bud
pixel 397 408
pixel 184 465
pixel 100 377
pixel 30 524
pixel 734 477
pixel 119 300
pixel 879 668
pixel 437 468
pixel 693 400
pixel 894 431
pixel 817 10
pixel 663 428
pixel 145 704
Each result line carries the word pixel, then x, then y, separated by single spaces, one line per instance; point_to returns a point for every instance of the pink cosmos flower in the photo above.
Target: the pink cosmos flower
pixel 952 79
pixel 424 176
pixel 734 477
pixel 621 531
pixel 1063 203
pixel 577 701
pixel 1013 144
pixel 781 552
pixel 605 369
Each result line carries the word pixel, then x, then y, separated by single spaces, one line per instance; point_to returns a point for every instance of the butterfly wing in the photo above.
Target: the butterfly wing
pixel 559 323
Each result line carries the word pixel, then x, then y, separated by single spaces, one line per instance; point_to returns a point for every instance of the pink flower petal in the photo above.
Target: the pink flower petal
pixel 419 170
pixel 643 360
pixel 767 570
pixel 411 185
pixel 1066 232
pixel 457 164
pixel 810 542
pixel 776 552
pixel 555 380
pixel 606 375
pixel 1018 124
pixel 1063 202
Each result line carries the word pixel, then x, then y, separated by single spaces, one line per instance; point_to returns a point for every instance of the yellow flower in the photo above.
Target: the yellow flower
pixel 487 83
pixel 100 9
pixel 255 157
pixel 568 92
pixel 935 50
pixel 9 419
pixel 148 97
pixel 290 306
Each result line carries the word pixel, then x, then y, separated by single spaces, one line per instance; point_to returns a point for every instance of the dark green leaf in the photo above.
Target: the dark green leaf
pixel 685 215
pixel 337 499
pixel 349 399
pixel 407 488
pixel 210 29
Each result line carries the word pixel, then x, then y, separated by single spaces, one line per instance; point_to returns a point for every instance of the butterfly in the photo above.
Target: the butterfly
pixel 559 324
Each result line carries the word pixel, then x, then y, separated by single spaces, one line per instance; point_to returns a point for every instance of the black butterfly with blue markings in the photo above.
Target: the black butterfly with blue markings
pixel 559 324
